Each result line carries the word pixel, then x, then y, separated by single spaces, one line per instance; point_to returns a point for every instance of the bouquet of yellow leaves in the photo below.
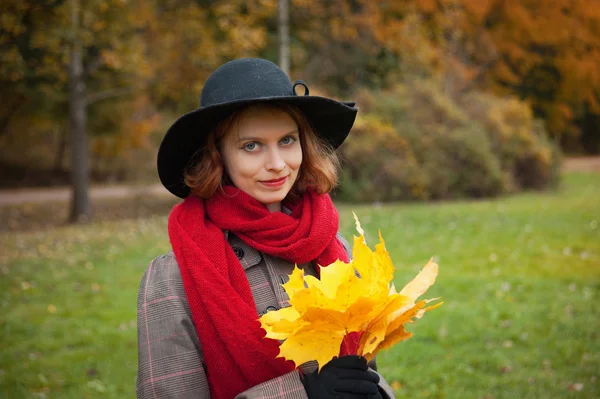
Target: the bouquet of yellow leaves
pixel 353 309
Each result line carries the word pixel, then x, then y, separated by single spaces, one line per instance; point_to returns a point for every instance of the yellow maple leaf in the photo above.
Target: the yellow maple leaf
pixel 353 308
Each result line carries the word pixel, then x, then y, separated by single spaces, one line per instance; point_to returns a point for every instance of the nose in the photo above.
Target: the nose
pixel 275 161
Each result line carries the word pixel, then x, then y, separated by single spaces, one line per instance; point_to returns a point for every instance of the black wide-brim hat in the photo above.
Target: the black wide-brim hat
pixel 231 87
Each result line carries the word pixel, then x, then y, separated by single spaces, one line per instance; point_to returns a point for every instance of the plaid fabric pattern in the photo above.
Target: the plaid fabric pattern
pixel 170 361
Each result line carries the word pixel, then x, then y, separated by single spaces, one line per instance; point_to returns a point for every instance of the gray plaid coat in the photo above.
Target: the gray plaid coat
pixel 170 361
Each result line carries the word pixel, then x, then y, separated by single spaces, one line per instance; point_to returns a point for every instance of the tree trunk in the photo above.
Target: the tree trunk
pixel 61 148
pixel 80 202
pixel 284 35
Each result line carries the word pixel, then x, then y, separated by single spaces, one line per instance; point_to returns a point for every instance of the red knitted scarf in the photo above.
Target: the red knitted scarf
pixel 236 354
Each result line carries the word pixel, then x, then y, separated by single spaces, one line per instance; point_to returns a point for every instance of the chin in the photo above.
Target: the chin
pixel 273 196
pixel 271 199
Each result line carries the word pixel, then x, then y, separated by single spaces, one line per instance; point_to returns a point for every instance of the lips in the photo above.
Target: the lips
pixel 274 182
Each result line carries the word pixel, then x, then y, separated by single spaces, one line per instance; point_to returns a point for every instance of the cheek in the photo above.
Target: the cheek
pixel 243 166
pixel 295 159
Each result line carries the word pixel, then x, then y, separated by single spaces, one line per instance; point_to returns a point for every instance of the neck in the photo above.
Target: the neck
pixel 274 207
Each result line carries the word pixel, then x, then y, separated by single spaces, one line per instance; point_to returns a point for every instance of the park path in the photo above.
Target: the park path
pixel 582 164
pixel 37 195
pixel 63 194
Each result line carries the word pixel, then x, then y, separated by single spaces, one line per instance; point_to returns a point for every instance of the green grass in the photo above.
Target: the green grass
pixel 519 276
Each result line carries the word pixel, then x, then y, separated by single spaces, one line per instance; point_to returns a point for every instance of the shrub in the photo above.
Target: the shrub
pixel 519 141
pixel 415 142
pixel 460 163
pixel 382 164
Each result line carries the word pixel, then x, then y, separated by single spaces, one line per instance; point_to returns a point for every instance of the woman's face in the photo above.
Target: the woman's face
pixel 262 155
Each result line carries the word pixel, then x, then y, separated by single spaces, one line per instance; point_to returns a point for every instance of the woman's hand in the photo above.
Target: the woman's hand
pixel 343 377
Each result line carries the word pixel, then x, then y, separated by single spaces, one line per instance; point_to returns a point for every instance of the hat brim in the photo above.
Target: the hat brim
pixel 330 119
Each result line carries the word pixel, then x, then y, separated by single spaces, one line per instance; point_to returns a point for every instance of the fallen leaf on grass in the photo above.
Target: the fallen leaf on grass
pixel 577 387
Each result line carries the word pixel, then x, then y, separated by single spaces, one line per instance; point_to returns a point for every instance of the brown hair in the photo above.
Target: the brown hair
pixel 205 172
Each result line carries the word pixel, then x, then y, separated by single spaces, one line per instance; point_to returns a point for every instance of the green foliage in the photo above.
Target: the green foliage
pixel 138 56
pixel 416 142
pixel 37 39
pixel 528 158
pixel 518 278
pixel 459 163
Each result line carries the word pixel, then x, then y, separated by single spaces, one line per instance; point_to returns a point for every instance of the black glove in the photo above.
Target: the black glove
pixel 343 377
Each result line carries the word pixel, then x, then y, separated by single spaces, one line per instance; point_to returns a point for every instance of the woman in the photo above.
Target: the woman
pixel 254 163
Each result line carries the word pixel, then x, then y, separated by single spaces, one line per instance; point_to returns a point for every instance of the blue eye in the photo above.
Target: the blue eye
pixel 251 146
pixel 288 140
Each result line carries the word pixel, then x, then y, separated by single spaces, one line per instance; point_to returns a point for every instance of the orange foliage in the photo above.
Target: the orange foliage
pixel 552 46
pixel 547 53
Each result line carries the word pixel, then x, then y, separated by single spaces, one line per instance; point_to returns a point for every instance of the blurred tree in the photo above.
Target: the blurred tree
pixel 80 202
pixel 121 60
pixel 335 44
pixel 22 59
pixel 551 57
pixel 71 52
pixel 547 53
pixel 188 39
pixel 136 56
pixel 283 27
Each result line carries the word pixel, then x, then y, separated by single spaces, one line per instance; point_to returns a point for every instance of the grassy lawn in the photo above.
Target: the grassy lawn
pixel 520 278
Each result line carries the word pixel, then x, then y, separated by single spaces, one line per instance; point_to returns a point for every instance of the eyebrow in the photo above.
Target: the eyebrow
pixel 295 131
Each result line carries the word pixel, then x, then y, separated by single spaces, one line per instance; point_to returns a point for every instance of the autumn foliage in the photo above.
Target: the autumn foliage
pixel 352 308
pixel 545 53
pixel 415 142
pixel 145 62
